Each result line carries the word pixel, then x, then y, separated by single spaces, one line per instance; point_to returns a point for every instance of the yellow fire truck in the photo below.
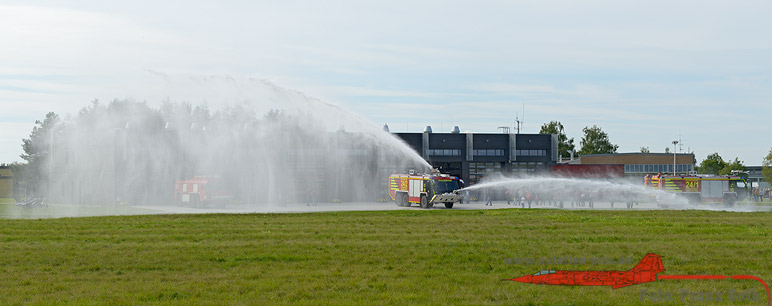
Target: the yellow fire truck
pixel 726 189
pixel 425 189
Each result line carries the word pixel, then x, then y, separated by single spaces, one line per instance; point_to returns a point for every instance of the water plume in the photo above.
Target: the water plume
pixel 269 145
pixel 571 191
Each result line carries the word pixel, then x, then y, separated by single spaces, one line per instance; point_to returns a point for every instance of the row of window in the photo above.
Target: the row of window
pixel 531 152
pixel 445 152
pixel 485 152
pixel 658 168
pixel 488 152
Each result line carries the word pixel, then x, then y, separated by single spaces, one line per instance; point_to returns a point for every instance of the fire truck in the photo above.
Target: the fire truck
pixel 201 190
pixel 726 189
pixel 425 189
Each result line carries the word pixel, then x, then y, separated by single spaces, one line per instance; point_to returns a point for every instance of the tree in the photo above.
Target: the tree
pixel 37 151
pixel 766 167
pixel 736 164
pixel 565 144
pixel 667 149
pixel 645 150
pixel 712 164
pixel 596 141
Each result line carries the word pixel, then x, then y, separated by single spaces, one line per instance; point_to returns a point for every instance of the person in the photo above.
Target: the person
pixel 529 198
pixel 488 201
pixel 589 199
pixel 310 196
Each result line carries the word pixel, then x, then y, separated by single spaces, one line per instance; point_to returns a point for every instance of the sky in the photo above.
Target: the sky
pixel 646 72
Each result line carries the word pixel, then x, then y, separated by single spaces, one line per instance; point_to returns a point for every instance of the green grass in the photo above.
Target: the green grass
pixel 390 257
pixel 9 210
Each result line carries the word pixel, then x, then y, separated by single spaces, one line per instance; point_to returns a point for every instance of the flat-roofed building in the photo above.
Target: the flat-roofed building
pixel 6 182
pixel 640 164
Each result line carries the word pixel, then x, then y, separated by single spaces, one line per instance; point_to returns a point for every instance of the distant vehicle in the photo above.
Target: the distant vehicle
pixel 32 203
pixel 726 189
pixel 425 189
pixel 201 191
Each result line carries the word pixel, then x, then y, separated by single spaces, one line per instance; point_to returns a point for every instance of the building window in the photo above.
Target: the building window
pixel 531 152
pixel 488 152
pixel 478 170
pixel 444 152
pixel 680 168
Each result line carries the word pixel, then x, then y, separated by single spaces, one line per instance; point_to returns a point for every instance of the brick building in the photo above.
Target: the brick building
pixel 640 164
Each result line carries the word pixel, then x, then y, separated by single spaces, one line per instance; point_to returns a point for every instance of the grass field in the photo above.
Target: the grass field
pixel 388 257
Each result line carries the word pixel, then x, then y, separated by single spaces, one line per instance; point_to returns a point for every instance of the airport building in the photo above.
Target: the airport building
pixel 471 156
pixel 756 178
pixel 640 164
pixel 6 182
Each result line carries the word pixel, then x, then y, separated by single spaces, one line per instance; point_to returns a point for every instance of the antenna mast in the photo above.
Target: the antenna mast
pixel 523 122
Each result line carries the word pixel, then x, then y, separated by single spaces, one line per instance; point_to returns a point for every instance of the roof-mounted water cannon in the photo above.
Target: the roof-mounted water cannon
pixel 741 173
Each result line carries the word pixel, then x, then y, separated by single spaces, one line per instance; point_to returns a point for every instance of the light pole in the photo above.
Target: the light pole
pixel 675 142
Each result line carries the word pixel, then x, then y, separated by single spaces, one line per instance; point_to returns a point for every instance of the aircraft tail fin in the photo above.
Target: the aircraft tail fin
pixel 650 263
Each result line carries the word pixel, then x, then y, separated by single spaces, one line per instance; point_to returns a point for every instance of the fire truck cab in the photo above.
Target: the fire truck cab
pixel 726 189
pixel 200 191
pixel 425 189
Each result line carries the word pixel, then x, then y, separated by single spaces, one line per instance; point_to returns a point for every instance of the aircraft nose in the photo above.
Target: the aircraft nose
pixel 523 279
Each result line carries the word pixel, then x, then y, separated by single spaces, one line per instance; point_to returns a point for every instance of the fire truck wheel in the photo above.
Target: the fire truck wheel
pixel 424 202
pixel 729 200
pixel 194 200
pixel 398 198
pixel 448 204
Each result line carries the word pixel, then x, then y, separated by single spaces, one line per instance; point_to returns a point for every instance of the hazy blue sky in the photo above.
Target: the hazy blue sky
pixel 646 72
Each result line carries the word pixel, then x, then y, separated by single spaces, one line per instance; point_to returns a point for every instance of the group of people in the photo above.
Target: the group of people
pixel 576 198
pixel 520 198
pixel 759 194
pixel 523 198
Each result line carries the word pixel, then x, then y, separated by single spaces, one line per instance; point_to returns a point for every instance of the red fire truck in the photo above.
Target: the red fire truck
pixel 726 189
pixel 425 189
pixel 201 190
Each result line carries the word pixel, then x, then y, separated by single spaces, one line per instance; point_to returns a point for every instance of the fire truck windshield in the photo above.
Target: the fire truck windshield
pixel 740 184
pixel 445 185
pixel 216 185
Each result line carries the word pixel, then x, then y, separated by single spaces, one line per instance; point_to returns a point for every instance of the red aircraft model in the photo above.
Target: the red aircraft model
pixel 645 271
